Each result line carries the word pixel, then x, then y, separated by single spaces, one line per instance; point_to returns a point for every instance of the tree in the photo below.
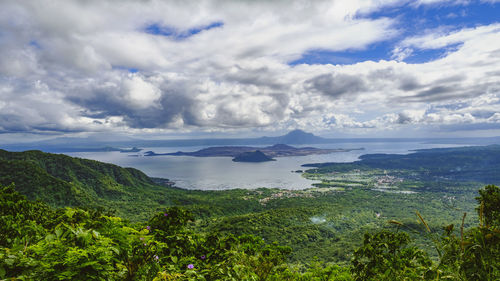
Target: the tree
pixel 489 206
pixel 385 255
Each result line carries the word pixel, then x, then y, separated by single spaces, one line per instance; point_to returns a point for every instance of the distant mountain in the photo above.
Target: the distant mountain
pixel 295 137
pixel 94 144
pixel 254 156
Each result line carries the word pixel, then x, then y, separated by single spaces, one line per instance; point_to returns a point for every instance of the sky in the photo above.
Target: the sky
pixel 350 68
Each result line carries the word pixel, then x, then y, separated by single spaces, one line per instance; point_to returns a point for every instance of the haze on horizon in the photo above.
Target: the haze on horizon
pixel 154 69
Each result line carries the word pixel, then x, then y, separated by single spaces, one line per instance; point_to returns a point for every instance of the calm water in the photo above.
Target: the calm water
pixel 222 173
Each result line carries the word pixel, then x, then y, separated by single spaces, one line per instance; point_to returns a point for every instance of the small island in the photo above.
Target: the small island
pixel 255 156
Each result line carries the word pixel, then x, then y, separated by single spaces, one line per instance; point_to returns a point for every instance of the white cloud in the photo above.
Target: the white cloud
pixel 436 39
pixel 401 53
pixel 235 75
pixel 140 93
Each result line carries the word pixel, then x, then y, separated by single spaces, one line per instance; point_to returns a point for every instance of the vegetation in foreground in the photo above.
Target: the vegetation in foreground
pixel 320 231
pixel 38 242
pixel 325 224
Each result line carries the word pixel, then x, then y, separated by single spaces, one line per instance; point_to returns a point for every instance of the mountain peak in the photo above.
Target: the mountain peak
pixel 299 132
pixel 300 137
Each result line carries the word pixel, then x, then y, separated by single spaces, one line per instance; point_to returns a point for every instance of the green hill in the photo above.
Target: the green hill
pixel 36 183
pixel 61 180
pixel 350 233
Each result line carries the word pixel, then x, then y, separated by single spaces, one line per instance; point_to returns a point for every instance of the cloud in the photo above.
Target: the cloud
pixel 133 66
pixel 336 85
pixel 401 53
pixel 439 38
pixel 140 93
pixel 410 116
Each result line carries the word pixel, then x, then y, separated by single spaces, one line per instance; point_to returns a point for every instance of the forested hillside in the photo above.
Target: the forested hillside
pixel 61 180
pixel 346 229
pixel 38 242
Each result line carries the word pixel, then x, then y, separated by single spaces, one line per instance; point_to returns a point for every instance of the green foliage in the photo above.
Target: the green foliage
pixel 385 255
pixel 344 216
pixel 315 271
pixel 481 256
pixel 489 205
pixel 74 244
pixel 211 236
pixel 21 221
pixel 475 255
pixel 38 242
pixel 60 181
pixel 170 222
pixel 36 183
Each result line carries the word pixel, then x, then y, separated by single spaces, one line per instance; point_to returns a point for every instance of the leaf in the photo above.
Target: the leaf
pixel 70 212
pixel 174 259
pixel 50 237
pixel 58 232
pixel 88 263
pixel 395 222
pixel 116 250
pixel 423 221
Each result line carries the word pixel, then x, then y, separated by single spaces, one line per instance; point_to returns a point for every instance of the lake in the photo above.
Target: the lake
pixel 217 173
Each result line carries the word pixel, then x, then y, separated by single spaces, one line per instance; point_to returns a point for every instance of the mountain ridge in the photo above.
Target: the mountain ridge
pixel 94 144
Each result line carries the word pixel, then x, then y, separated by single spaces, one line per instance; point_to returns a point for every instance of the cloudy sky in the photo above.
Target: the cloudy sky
pixel 337 68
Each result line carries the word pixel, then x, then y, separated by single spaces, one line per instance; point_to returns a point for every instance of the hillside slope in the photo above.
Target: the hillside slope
pixel 61 180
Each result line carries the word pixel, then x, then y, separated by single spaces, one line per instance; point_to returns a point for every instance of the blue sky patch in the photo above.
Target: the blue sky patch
pixel 375 52
pixel 172 32
pixel 411 21
pixel 35 44
pixel 128 69
pixel 427 55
